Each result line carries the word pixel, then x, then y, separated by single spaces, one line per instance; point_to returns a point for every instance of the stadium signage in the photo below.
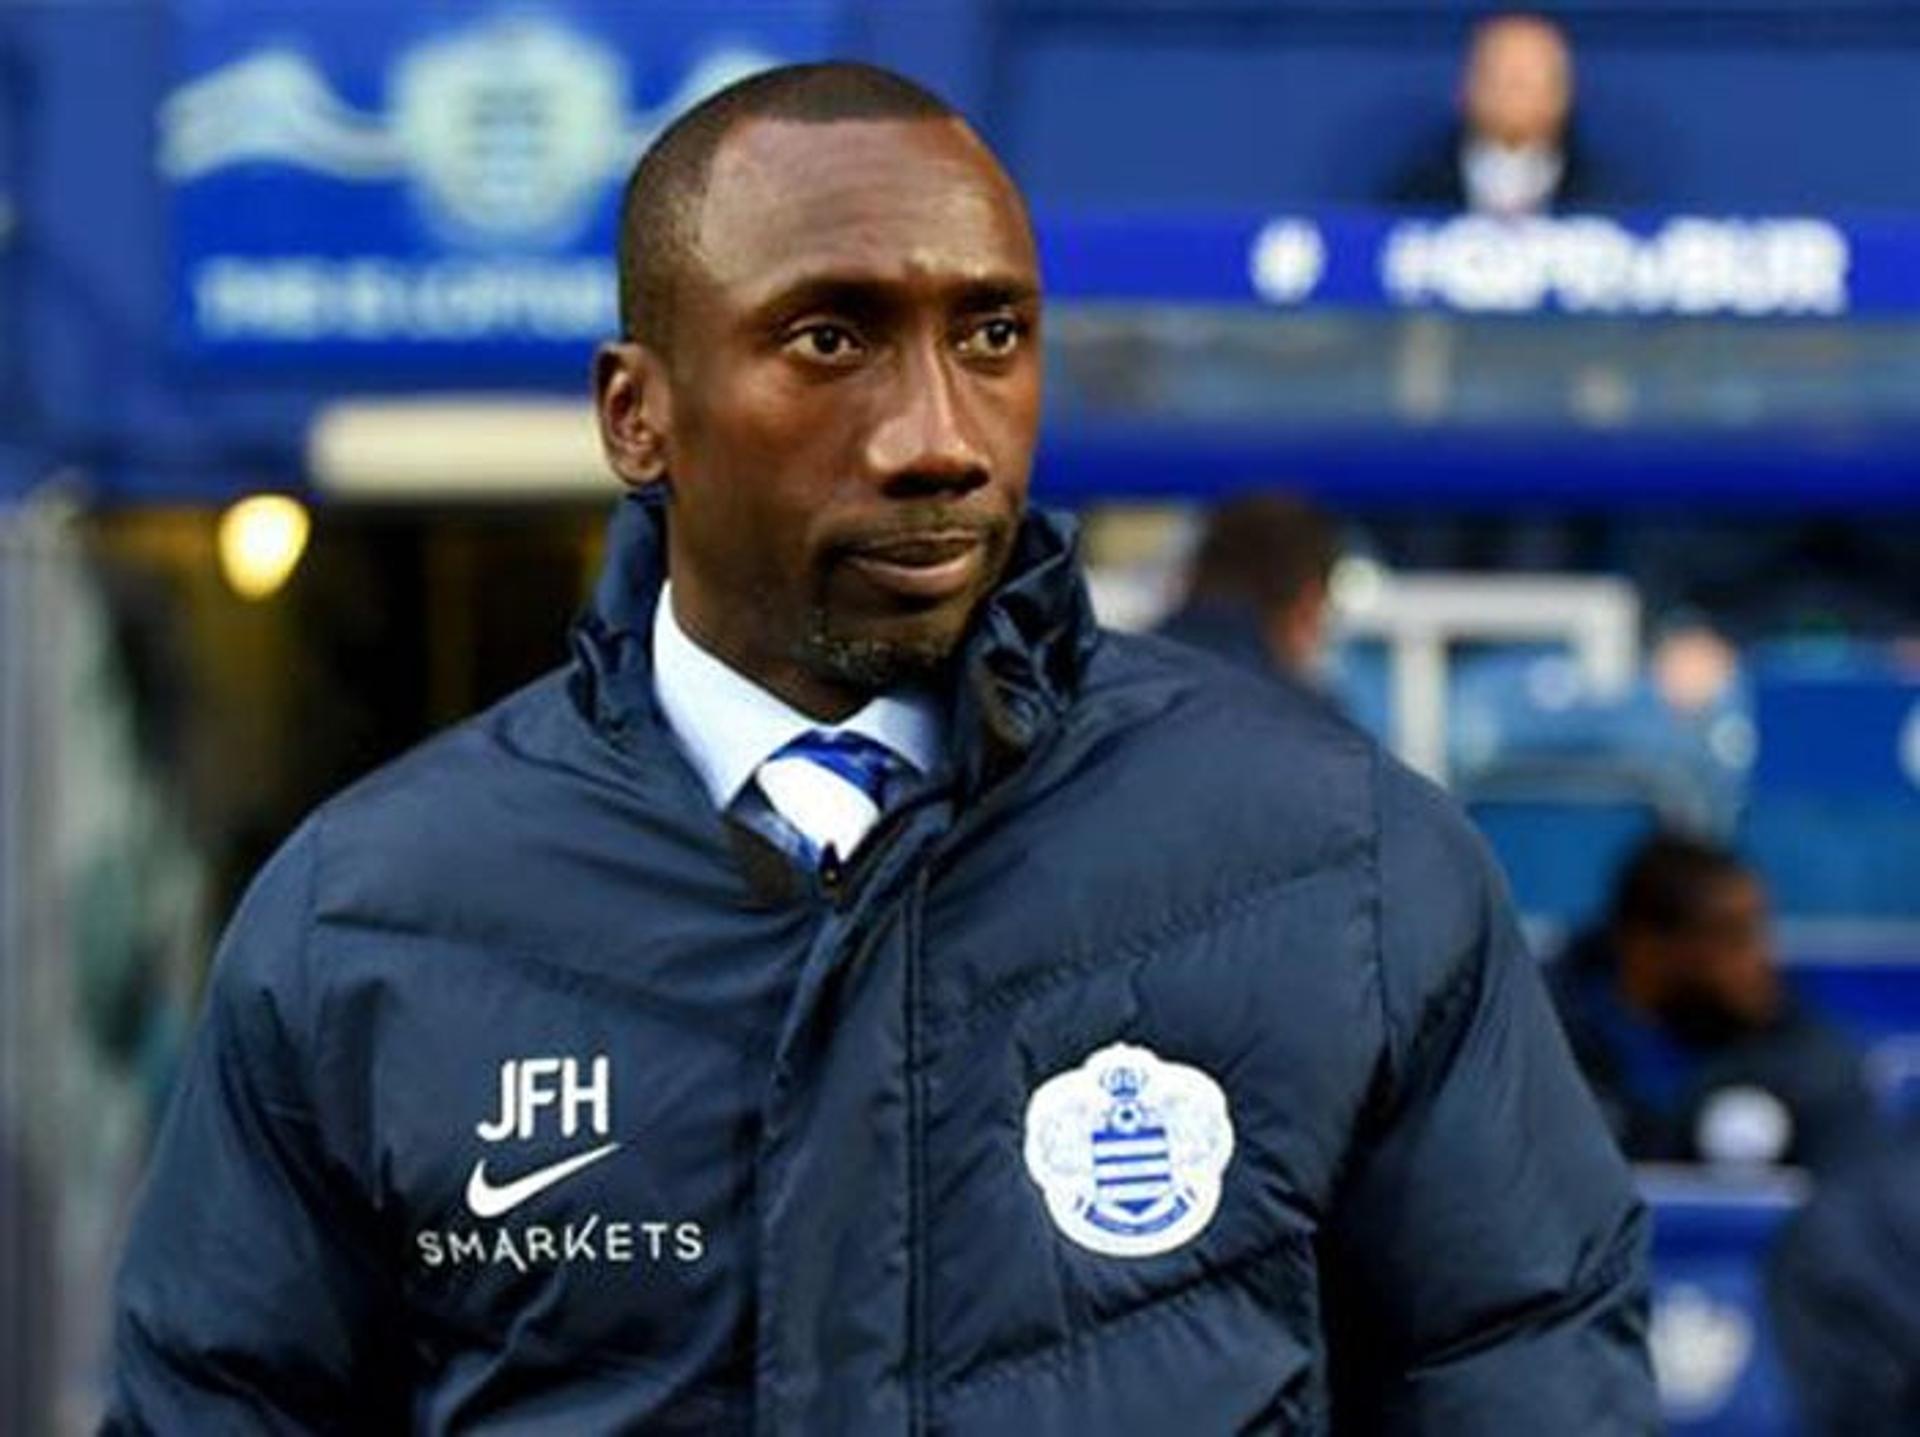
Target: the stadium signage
pixel 1660 266
pixel 365 187
pixel 350 187
pixel 1682 266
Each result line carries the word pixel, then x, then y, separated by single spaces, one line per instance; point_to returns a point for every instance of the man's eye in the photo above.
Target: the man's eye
pixel 994 338
pixel 832 343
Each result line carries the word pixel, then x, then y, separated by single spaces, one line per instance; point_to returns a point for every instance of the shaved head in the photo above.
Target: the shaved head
pixel 660 212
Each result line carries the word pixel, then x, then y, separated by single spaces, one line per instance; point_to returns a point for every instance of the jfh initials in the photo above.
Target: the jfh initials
pixel 529 1084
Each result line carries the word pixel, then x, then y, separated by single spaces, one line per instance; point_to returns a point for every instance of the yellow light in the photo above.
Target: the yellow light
pixel 261 539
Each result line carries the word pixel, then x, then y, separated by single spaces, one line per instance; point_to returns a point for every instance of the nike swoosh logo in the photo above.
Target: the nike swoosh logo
pixel 486 1200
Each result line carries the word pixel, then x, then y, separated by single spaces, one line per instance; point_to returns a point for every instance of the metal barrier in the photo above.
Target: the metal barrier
pixel 1421 617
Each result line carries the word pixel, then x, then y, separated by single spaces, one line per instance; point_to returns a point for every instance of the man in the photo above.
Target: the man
pixel 1678 1016
pixel 1260 587
pixel 857 995
pixel 1514 151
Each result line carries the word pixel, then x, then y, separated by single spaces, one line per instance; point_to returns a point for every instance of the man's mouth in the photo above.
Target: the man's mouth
pixel 925 566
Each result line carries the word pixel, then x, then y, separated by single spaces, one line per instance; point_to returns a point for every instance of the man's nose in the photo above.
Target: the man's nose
pixel 923 441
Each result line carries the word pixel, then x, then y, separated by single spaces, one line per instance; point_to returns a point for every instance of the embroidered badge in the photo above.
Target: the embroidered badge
pixel 1129 1150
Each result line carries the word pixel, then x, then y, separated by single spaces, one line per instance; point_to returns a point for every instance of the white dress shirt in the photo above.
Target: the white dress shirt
pixel 728 725
pixel 1510 179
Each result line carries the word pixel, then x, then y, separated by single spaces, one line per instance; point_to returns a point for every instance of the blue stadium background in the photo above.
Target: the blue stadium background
pixel 181 320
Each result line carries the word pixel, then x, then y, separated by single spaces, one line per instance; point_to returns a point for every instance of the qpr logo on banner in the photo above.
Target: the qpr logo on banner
pixel 1129 1150
pixel 509 128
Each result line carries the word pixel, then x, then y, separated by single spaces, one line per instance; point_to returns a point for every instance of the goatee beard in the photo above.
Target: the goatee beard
pixel 869 665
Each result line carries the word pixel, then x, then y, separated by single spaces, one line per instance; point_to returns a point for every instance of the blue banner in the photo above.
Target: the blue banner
pixel 355 182
pixel 1674 266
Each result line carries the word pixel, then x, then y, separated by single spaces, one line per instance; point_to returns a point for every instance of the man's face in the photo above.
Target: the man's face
pixel 1519 83
pixel 852 401
pixel 1721 966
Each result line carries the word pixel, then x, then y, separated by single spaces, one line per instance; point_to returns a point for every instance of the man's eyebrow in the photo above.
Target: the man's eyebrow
pixel 865 295
pixel 1008 292
pixel 841 294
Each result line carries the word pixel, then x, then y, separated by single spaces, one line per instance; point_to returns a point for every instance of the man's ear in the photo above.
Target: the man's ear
pixel 635 410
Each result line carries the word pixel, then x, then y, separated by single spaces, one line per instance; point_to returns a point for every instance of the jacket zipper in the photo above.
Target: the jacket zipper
pixel 917 1357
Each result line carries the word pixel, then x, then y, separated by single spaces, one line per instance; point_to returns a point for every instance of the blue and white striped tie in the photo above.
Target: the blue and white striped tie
pixel 831 787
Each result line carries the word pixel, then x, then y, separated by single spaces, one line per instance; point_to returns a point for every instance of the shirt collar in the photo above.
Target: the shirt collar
pixel 729 725
pixel 1511 179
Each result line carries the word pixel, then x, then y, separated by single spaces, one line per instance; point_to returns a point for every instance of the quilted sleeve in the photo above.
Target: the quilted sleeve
pixel 249 1298
pixel 1486 1255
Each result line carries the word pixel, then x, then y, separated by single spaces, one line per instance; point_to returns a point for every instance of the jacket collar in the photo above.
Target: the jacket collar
pixel 1018 670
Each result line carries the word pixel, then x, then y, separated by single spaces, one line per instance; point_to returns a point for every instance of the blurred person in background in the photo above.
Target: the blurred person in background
pixel 1513 150
pixel 1260 588
pixel 1843 1285
pixel 1677 1014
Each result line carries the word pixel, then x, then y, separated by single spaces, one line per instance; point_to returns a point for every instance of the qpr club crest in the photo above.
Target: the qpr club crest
pixel 509 128
pixel 1129 1150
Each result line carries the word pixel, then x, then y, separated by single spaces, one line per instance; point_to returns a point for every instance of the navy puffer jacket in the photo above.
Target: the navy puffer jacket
pixel 1169 1064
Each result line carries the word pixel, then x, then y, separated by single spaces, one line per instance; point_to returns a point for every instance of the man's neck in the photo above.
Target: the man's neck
pixel 789 681
pixel 729 721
